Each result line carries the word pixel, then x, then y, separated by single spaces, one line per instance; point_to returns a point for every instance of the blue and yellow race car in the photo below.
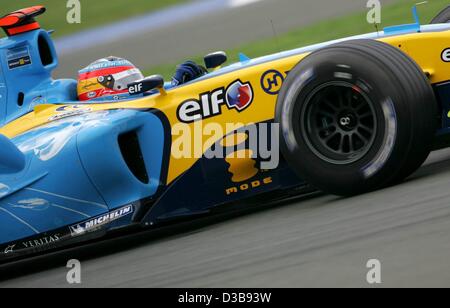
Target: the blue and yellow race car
pixel 343 117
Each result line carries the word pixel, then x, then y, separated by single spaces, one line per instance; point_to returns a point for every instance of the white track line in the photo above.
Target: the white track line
pixel 140 24
pixel 238 3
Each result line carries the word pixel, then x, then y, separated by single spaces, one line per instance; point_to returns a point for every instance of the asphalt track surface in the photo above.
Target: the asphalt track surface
pixel 217 28
pixel 321 241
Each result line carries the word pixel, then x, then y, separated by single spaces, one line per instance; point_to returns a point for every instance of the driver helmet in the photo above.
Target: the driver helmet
pixel 107 79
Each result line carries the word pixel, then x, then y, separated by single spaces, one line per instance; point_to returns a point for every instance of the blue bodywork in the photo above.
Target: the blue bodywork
pixel 23 86
pixel 57 180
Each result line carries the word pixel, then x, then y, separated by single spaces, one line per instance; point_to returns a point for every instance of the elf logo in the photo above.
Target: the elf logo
pixel 238 95
pixel 136 88
pixel 446 55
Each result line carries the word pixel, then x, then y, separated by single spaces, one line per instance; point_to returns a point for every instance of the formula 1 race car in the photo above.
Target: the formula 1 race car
pixel 344 117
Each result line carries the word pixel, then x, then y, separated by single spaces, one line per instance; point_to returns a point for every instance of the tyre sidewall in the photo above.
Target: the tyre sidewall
pixel 393 119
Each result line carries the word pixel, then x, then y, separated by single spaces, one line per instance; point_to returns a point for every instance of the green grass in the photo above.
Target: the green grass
pixel 353 24
pixel 93 12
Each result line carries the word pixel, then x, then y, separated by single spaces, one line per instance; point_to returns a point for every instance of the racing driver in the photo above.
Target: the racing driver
pixel 108 78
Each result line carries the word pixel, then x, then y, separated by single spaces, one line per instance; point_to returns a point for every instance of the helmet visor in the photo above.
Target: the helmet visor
pixel 120 81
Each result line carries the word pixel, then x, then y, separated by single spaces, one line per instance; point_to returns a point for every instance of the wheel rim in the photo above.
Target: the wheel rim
pixel 339 123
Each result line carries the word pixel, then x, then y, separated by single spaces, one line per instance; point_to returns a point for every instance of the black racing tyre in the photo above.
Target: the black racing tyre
pixel 443 17
pixel 356 116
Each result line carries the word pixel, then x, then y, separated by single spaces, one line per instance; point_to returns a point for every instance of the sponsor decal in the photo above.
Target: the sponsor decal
pixel 238 95
pixel 18 57
pixel 97 222
pixel 39 242
pixel 243 166
pixel 48 240
pixel 70 111
pixel 249 186
pixel 9 249
pixel 445 56
pixel 33 204
pixel 105 64
pixel 43 241
pixel 136 89
pixel 272 81
pixel 69 108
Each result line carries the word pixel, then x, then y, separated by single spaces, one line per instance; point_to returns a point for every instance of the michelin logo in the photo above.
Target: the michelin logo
pixel 95 223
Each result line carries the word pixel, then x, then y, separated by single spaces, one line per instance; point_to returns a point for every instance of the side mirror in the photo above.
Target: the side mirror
pixel 145 85
pixel 215 60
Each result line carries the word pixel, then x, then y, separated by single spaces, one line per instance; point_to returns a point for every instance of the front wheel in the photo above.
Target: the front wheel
pixel 443 17
pixel 356 116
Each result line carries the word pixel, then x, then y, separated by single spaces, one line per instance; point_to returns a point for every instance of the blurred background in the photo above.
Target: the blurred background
pixel 156 35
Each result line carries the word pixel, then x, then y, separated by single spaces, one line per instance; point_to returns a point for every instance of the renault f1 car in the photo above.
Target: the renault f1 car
pixel 345 117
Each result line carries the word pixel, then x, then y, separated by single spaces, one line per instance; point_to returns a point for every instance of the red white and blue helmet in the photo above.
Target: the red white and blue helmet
pixel 107 79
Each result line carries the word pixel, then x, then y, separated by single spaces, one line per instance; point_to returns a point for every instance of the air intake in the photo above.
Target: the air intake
pixel 132 155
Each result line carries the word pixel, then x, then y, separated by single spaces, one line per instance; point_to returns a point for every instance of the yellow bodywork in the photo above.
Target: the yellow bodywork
pixel 424 48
